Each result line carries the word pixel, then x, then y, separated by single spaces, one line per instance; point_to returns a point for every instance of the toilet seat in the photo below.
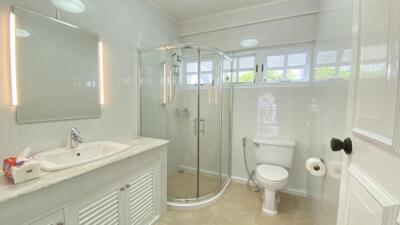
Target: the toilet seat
pixel 270 174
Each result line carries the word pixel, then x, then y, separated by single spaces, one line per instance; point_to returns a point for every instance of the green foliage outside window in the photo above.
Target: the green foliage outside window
pixel 324 73
pixel 246 77
pixel 274 75
pixel 344 72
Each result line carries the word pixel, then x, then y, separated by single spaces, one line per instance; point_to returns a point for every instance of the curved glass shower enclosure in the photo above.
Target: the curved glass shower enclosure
pixel 186 98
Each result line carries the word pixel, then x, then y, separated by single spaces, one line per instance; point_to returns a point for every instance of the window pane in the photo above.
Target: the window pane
pixel 247 62
pixel 206 66
pixel 273 75
pixel 373 69
pixel 344 71
pixel 324 73
pixel 276 61
pixel 191 79
pixel 326 57
pixel 191 67
pixel 346 56
pixel 246 76
pixel 297 59
pixel 227 65
pixel 206 78
pixel 296 74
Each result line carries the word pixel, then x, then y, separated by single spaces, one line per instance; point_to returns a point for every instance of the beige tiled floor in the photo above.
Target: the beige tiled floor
pixel 184 185
pixel 238 206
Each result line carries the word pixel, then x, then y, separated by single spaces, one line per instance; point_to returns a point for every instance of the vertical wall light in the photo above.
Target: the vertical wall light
pixel 13 63
pixel 101 73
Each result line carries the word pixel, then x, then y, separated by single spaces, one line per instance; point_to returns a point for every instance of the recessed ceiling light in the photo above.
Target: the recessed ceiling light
pixel 22 33
pixel 249 43
pixel 72 6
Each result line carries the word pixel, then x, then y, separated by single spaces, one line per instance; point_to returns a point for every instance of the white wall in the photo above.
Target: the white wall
pixel 304 112
pixel 286 23
pixel 261 13
pixel 271 33
pixel 292 119
pixel 334 32
pixel 124 26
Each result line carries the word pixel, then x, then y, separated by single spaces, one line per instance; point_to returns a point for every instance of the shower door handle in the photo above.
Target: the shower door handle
pixel 195 126
pixel 171 88
pixel 204 126
pixel 164 85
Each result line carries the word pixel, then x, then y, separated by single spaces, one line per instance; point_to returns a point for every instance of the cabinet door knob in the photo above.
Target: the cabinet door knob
pixel 122 189
pixel 128 186
pixel 346 145
pixel 60 223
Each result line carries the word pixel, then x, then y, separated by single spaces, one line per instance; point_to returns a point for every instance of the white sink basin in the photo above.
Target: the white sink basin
pixel 63 158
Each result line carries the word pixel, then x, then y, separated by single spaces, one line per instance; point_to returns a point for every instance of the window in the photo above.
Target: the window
pixel 332 64
pixel 286 64
pixel 206 70
pixel 244 68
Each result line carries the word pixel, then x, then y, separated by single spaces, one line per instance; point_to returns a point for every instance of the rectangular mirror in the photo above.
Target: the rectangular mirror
pixel 56 69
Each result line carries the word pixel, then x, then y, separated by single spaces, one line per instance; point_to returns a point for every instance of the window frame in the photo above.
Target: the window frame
pixel 337 65
pixel 196 61
pixel 287 50
pixel 235 70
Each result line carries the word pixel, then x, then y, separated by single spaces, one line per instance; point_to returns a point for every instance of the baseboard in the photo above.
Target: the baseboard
pixel 296 192
pixel 202 171
pixel 240 180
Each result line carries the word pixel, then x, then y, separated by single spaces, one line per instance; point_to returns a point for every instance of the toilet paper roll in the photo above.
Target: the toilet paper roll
pixel 311 161
pixel 334 169
pixel 316 167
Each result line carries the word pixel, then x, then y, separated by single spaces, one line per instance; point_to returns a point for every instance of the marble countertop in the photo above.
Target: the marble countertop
pixel 9 191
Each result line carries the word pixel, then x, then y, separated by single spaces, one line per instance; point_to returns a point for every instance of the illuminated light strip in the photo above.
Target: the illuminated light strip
pixel 13 64
pixel 101 73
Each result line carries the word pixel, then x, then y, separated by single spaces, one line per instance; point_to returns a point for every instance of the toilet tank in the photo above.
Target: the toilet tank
pixel 274 151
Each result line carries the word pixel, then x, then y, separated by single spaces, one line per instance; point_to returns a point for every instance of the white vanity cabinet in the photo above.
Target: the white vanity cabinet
pixel 142 198
pixel 103 206
pixel 131 200
pixel 55 218
pixel 129 190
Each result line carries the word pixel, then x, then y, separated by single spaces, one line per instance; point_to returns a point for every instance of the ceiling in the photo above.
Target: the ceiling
pixel 182 10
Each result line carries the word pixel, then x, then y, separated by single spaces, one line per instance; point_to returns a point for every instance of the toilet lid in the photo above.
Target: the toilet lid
pixel 272 173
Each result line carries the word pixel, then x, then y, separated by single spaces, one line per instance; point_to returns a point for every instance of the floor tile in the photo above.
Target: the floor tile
pixel 221 219
pixel 303 220
pixel 239 206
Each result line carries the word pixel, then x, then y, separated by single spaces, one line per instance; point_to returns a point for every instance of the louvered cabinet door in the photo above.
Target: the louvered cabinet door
pixel 141 198
pixel 104 207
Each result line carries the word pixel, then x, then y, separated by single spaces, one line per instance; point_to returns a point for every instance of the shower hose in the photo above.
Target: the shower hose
pixel 254 187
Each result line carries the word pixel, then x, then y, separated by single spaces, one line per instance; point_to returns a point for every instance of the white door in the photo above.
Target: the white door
pixel 370 190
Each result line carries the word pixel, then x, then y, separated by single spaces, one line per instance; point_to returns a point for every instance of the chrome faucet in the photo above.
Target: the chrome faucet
pixel 75 138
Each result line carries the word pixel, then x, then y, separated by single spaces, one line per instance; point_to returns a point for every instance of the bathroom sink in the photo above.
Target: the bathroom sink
pixel 63 158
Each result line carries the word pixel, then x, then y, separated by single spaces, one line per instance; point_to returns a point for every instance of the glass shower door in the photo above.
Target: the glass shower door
pixel 181 109
pixel 226 110
pixel 209 123
pixel 183 96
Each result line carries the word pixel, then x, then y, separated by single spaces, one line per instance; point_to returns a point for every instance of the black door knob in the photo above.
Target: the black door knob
pixel 346 145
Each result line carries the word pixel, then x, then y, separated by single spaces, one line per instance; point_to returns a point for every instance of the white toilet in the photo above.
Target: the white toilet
pixel 273 157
